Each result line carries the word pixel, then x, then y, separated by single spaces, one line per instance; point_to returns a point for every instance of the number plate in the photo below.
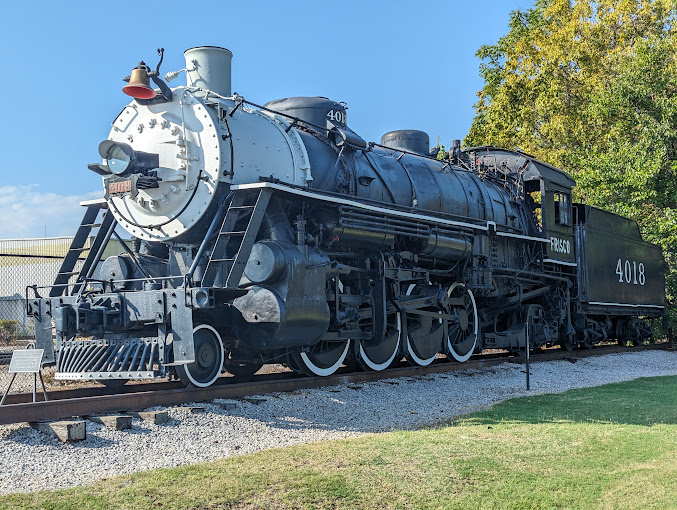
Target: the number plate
pixel 121 187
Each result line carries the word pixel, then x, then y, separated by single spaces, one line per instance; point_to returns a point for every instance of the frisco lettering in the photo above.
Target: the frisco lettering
pixel 560 245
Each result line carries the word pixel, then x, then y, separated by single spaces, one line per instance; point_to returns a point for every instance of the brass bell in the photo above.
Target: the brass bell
pixel 139 83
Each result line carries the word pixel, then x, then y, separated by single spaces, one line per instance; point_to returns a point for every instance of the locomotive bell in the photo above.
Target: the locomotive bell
pixel 139 83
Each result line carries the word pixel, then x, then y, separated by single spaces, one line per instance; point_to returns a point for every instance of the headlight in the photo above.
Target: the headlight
pixel 118 159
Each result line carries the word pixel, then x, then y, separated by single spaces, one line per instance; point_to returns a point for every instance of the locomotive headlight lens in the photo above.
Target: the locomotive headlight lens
pixel 118 160
pixel 119 157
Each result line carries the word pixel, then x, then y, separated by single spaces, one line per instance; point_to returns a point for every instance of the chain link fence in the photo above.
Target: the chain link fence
pixel 24 262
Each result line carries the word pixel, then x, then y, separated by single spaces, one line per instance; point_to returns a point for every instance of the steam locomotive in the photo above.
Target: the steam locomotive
pixel 276 234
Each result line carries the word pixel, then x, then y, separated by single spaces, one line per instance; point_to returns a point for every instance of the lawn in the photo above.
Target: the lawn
pixel 609 447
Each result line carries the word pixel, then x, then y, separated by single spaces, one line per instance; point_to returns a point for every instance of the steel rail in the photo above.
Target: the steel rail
pixel 142 396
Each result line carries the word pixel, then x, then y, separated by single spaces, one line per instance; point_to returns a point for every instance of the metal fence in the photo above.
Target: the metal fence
pixel 24 262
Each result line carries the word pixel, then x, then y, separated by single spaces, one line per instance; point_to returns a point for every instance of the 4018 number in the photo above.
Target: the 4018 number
pixel 630 272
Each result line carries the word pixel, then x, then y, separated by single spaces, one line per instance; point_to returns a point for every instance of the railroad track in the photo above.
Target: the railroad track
pixel 86 401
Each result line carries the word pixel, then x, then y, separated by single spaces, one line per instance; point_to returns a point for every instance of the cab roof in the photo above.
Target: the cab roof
pixel 518 161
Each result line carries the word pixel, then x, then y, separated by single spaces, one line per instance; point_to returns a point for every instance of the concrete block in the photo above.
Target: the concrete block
pixel 228 406
pixel 113 421
pixel 196 409
pixel 255 401
pixel 66 431
pixel 155 417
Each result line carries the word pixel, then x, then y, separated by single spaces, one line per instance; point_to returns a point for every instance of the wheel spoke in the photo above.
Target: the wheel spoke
pixel 463 333
pixel 424 336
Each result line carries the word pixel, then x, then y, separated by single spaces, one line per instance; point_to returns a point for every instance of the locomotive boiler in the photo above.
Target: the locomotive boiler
pixel 276 234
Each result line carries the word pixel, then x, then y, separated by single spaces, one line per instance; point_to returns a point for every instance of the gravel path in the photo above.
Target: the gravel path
pixel 31 461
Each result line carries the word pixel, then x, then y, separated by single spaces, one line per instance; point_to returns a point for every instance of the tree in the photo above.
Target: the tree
pixel 591 87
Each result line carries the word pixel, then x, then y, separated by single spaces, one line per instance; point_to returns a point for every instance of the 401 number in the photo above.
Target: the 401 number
pixel 337 116
pixel 630 272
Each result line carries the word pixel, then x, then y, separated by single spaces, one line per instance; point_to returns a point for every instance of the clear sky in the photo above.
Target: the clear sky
pixel 398 65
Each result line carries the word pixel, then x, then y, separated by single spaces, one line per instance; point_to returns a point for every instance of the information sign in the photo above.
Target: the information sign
pixel 26 361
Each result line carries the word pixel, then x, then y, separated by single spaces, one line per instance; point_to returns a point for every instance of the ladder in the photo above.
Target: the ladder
pixel 236 238
pixel 77 248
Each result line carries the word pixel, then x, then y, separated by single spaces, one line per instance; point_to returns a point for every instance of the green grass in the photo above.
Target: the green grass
pixel 609 447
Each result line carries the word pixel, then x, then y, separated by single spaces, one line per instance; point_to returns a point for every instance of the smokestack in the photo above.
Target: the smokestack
pixel 209 68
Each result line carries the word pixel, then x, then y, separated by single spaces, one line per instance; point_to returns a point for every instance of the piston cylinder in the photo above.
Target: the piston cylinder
pixel 267 263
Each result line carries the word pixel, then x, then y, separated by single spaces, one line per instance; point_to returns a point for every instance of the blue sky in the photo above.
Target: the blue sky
pixel 398 65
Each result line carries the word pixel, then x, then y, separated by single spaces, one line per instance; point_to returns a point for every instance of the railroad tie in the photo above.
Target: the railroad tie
pixel 113 421
pixel 66 431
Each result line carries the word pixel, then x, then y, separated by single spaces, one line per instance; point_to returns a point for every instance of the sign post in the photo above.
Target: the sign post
pixel 27 361
pixel 528 386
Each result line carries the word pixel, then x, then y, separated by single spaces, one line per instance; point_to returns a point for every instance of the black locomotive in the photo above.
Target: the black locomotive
pixel 275 233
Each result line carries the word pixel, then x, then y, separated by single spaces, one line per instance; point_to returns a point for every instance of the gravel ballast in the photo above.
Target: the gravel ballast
pixel 30 460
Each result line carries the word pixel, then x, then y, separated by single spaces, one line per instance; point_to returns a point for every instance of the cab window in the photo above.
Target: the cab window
pixel 562 208
pixel 533 200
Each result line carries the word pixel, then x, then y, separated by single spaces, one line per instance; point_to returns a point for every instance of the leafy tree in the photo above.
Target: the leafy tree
pixel 591 87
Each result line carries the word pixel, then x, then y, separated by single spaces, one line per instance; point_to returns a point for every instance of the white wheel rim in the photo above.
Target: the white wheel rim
pixel 466 357
pixel 325 371
pixel 385 364
pixel 410 351
pixel 218 372
pixel 416 359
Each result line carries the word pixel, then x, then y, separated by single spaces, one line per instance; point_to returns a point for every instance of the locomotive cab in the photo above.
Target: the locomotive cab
pixel 554 214
pixel 547 196
pixel 558 225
